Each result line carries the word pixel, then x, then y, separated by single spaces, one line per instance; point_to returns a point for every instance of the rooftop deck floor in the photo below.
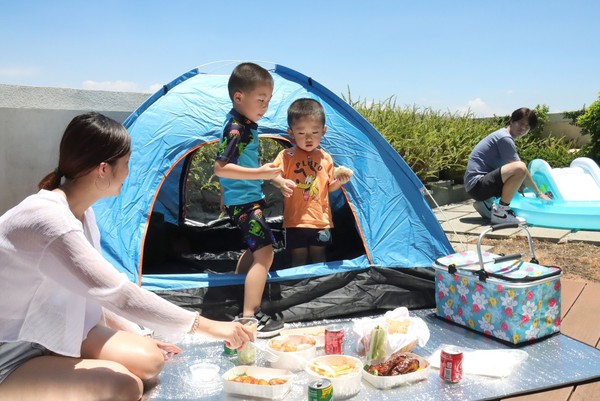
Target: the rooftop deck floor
pixel 580 300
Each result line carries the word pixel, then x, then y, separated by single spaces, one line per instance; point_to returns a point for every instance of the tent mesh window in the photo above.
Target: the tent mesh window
pixel 207 241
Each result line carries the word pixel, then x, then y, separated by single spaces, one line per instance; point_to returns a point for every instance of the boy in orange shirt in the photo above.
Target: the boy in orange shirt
pixel 308 175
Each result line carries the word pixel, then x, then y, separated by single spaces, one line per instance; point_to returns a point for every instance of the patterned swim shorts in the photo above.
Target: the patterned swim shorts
pixel 250 219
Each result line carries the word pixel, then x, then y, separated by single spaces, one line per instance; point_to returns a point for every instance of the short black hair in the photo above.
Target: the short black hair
pixel 525 112
pixel 247 76
pixel 305 107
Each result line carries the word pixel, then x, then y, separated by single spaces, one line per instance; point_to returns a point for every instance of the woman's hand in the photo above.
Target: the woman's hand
pixel 167 349
pixel 235 334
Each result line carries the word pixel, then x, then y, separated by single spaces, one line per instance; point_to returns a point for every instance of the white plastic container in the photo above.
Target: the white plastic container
pixel 387 382
pixel 344 385
pixel 274 392
pixel 292 360
pixel 318 332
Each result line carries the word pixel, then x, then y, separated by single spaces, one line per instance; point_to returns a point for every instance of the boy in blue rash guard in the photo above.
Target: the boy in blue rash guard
pixel 241 175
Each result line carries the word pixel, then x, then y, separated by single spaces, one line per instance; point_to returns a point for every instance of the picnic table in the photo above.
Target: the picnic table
pixel 557 361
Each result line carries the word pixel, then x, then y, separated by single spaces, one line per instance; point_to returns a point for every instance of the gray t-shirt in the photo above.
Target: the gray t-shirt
pixel 492 152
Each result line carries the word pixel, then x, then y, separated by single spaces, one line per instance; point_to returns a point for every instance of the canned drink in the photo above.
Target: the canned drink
pixel 334 339
pixel 451 359
pixel 229 351
pixel 320 390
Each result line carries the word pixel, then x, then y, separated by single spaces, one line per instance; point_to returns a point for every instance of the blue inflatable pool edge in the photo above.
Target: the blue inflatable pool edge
pixel 572 215
pixel 575 191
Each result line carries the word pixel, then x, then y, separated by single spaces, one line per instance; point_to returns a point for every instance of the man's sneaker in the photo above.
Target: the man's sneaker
pixel 504 214
pixel 484 208
pixel 268 326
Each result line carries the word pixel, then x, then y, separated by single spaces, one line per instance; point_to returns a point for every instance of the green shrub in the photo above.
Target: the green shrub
pixel 203 186
pixel 589 122
pixel 556 151
pixel 436 145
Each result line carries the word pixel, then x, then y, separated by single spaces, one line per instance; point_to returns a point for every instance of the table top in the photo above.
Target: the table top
pixel 556 361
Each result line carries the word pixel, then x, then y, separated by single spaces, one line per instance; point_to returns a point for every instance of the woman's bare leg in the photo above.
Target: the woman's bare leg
pixel 51 378
pixel 140 355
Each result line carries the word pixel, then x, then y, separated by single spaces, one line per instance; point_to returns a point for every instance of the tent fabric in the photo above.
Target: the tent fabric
pixel 348 293
pixel 397 226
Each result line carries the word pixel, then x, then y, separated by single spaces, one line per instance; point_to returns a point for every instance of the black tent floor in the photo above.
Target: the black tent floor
pixel 555 362
pixel 336 295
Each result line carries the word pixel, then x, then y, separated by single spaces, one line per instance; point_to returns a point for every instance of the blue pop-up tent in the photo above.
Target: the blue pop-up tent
pixel 397 230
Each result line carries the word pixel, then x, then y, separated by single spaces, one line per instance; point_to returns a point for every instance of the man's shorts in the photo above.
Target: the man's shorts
pixel 250 219
pixel 13 355
pixel 305 237
pixel 488 186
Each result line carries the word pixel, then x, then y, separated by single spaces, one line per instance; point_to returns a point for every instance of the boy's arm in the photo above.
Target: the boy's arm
pixel 341 176
pixel 285 185
pixel 233 171
pixel 530 183
pixel 335 185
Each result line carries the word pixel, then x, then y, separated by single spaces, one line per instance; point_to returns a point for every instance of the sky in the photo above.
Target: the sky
pixel 485 57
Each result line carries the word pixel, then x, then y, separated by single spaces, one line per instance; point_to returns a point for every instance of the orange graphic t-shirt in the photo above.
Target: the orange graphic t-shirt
pixel 308 207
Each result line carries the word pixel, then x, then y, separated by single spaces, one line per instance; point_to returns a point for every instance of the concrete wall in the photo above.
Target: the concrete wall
pixel 32 121
pixel 559 126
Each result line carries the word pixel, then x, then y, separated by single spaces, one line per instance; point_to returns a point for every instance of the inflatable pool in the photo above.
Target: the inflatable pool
pixel 576 196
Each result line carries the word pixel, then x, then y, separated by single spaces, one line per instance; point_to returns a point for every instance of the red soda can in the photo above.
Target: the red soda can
pixel 334 339
pixel 451 359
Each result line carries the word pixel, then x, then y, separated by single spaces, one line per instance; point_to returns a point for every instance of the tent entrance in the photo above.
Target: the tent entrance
pixel 201 239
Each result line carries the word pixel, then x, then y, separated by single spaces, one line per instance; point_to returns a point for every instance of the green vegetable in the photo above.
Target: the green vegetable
pixel 377 345
pixel 247 356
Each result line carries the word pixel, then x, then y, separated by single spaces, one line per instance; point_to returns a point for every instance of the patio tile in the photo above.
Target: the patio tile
pixel 463 207
pixel 458 227
pixel 590 237
pixel 447 215
pixel 458 247
pixel 466 238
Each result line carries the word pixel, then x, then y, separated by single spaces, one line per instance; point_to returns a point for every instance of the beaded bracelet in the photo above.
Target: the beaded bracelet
pixel 196 324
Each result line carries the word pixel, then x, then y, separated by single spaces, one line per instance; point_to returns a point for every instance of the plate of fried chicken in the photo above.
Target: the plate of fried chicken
pixel 399 369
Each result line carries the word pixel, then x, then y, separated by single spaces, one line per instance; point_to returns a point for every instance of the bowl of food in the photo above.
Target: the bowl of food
pixel 255 381
pixel 343 371
pixel 293 351
pixel 399 369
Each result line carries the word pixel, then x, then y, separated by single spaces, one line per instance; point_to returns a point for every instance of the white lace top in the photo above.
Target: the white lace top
pixel 54 280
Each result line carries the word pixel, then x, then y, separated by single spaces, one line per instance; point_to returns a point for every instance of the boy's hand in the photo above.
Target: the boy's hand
pixel 342 174
pixel 269 171
pixel 343 178
pixel 287 187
